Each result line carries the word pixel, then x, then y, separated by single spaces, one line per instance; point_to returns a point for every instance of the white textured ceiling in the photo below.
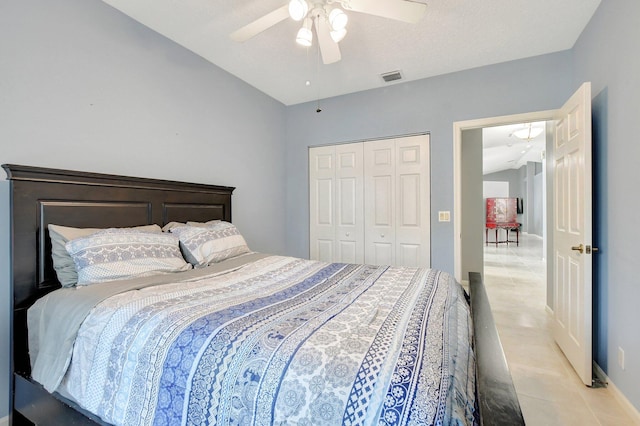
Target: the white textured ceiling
pixel 501 150
pixel 453 35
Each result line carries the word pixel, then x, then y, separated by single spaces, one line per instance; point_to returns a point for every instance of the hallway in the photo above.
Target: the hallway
pixel 549 391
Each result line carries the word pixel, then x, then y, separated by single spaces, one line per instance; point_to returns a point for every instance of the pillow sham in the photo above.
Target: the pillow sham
pixel 117 254
pixel 62 262
pixel 211 244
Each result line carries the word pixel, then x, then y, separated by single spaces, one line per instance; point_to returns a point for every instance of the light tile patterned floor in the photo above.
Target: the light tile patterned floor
pixel 549 391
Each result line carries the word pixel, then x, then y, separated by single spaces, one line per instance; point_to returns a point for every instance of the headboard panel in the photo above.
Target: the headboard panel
pixel 40 196
pixel 81 215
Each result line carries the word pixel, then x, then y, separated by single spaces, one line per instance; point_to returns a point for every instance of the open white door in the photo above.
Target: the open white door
pixel 572 232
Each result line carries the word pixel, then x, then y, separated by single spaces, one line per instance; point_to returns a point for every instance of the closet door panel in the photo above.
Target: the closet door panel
pixel 379 199
pixel 408 255
pixel 409 203
pixel 348 252
pixel 382 201
pixel 321 203
pixel 324 202
pixel 322 250
pixel 412 224
pixel 349 203
pixel 381 254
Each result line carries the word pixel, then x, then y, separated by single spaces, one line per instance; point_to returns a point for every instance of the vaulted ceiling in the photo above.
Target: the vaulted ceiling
pixel 453 35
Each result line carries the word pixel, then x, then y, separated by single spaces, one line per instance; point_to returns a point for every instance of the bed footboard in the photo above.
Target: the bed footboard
pixel 33 402
pixel 498 401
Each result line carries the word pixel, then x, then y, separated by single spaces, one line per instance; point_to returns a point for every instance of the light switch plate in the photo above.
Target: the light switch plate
pixel 444 216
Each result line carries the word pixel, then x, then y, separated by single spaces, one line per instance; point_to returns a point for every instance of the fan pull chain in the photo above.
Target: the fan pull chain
pixel 318 109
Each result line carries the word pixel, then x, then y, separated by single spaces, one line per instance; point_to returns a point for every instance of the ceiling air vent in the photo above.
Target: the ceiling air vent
pixel 388 77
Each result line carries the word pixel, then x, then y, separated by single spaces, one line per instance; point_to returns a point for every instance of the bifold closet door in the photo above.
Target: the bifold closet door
pixel 413 202
pixel 379 195
pixel 369 202
pixel 397 202
pixel 336 203
pixel 322 229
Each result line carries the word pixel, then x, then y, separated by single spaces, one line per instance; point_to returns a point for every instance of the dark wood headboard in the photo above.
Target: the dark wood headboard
pixel 40 196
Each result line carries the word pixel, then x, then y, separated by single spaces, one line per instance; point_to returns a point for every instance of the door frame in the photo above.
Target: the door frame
pixel 458 127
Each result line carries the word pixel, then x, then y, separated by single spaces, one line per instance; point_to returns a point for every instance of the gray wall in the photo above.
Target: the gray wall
pixel 84 87
pixel 428 105
pixel 607 55
pixel 536 225
pixel 473 221
pixel 472 225
pixel 550 131
pixel 533 199
pixel 512 176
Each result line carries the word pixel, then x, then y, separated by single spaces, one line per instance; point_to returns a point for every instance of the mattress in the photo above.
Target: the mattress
pixel 262 340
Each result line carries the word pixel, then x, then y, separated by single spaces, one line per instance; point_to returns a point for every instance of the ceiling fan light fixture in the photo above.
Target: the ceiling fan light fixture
pixel 337 36
pixel 305 36
pixel 338 19
pixel 298 9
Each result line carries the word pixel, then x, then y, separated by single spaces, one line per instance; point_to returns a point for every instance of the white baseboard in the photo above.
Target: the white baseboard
pixel 533 235
pixel 626 404
pixel 4 421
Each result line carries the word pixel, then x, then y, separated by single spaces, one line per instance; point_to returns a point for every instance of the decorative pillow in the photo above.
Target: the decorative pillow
pixel 117 254
pixel 214 243
pixel 62 262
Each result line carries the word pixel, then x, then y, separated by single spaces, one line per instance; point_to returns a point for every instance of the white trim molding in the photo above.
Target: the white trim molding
pixel 4 421
pixel 458 127
pixel 617 394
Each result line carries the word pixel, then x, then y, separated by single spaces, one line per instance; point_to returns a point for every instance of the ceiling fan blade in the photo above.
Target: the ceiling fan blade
pixel 329 48
pixel 400 10
pixel 261 24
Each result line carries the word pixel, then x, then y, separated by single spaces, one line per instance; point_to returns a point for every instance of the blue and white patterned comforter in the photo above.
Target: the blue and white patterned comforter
pixel 281 341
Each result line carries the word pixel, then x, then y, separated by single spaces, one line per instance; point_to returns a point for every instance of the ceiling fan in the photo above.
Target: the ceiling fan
pixel 329 20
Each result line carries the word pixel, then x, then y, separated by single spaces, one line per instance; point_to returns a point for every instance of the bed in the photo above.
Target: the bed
pixel 344 344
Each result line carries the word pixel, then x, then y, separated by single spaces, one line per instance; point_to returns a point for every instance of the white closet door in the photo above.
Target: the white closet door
pixel 379 171
pixel 369 202
pixel 349 219
pixel 413 222
pixel 322 227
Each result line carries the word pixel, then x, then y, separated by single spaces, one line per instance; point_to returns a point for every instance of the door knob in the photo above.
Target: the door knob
pixel 579 248
pixel 347 234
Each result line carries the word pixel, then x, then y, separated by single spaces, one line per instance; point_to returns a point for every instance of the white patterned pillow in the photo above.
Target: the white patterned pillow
pixel 117 254
pixel 63 263
pixel 214 243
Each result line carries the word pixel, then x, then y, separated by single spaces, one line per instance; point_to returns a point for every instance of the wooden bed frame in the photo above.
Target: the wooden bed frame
pixel 40 196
